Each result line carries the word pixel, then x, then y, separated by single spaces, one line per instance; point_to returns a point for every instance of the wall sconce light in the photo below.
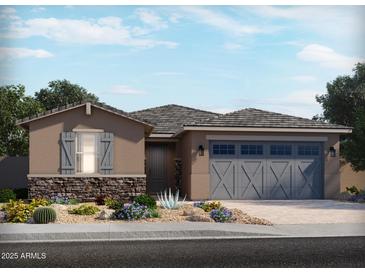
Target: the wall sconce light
pixel 332 152
pixel 201 150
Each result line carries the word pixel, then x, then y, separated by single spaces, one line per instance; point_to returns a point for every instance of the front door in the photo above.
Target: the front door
pixel 156 167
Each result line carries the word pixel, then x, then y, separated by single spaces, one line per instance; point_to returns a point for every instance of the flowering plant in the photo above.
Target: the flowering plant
pixel 221 215
pixel 198 204
pixel 132 212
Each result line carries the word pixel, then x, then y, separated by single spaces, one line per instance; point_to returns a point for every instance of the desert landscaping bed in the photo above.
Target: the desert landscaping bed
pixel 187 213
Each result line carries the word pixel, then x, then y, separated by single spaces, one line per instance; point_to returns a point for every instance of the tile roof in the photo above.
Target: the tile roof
pixel 251 117
pixel 171 118
pixel 104 106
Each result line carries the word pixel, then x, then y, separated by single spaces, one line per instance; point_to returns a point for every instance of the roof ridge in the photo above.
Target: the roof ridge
pixel 175 105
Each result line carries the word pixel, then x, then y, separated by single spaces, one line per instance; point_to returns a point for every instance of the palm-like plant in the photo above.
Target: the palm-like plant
pixel 170 201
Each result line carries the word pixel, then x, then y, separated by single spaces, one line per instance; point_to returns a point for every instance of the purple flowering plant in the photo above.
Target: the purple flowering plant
pixel 221 215
pixel 132 212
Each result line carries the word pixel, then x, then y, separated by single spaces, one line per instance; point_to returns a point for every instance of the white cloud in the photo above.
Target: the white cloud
pixel 8 13
pixel 303 78
pixel 327 57
pixel 15 53
pixel 175 17
pixel 38 9
pixel 104 31
pixel 232 46
pixel 7 10
pixel 151 19
pixel 125 90
pixel 221 21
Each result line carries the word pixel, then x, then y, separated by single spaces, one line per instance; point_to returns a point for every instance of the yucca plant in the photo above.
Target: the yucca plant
pixel 44 215
pixel 170 201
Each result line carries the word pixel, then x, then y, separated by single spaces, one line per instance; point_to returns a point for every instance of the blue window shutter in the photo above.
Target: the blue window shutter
pixel 106 149
pixel 68 152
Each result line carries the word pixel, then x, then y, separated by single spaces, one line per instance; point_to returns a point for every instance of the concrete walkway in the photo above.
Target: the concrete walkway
pixel 303 211
pixel 161 231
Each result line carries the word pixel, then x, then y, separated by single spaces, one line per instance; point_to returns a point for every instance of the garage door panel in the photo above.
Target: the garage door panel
pixel 308 184
pixel 251 179
pixel 279 179
pixel 223 179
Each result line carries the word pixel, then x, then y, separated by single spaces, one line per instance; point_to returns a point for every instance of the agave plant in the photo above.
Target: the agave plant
pixel 170 201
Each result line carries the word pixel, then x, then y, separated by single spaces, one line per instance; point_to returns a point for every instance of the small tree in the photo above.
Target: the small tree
pixel 15 105
pixel 62 92
pixel 344 104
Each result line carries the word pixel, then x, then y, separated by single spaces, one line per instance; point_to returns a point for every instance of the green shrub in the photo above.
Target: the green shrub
pixel 21 193
pixel 20 212
pixel 44 215
pixel 113 204
pixel 154 214
pixel 353 190
pixel 73 201
pixel 146 200
pixel 85 210
pixel 7 194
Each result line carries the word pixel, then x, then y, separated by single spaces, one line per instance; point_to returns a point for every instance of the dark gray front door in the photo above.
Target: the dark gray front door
pixel 263 170
pixel 156 167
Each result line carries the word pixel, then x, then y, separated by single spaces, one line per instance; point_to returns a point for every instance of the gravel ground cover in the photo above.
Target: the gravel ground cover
pixel 184 214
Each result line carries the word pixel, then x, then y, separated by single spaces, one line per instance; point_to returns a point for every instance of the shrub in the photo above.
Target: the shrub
pixel 113 204
pixel 132 212
pixel 44 215
pixel 73 201
pixel 64 200
pixel 85 210
pixel 21 193
pixel 7 194
pixel 100 200
pixel 153 214
pixel 170 201
pixel 221 215
pixel 209 206
pixel 353 190
pixel 20 212
pixel 198 204
pixel 146 200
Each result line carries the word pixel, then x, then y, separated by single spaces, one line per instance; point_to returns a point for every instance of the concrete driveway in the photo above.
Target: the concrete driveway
pixel 302 211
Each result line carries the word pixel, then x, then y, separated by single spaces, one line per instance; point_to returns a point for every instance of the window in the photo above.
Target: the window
pixel 86 153
pixel 223 149
pixel 308 150
pixel 251 150
pixel 280 150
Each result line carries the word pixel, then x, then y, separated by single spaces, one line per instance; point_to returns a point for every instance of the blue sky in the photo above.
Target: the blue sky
pixel 218 58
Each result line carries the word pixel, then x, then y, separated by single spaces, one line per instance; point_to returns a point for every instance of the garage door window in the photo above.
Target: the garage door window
pixel 223 149
pixel 252 149
pixel 308 150
pixel 280 150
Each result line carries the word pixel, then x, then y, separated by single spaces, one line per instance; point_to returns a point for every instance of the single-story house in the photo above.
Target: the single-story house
pixel 89 149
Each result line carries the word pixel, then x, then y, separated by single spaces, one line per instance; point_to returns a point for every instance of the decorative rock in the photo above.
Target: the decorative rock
pixel 106 214
pixel 193 211
pixel 2 217
pixel 200 218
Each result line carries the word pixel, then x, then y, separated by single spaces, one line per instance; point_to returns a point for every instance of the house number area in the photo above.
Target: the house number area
pixel 23 255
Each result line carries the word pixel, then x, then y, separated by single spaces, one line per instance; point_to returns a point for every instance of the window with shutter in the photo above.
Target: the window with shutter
pixel 106 153
pixel 68 152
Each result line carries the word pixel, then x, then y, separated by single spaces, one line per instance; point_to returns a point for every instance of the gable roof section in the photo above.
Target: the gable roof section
pixel 169 119
pixel 25 121
pixel 255 118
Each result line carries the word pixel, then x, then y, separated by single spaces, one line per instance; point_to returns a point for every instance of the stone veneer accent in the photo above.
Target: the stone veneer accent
pixel 86 189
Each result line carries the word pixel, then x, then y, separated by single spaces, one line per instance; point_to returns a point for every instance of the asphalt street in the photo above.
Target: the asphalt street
pixel 259 252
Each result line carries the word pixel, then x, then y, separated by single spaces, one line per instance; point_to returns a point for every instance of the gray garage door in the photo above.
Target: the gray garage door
pixel 262 170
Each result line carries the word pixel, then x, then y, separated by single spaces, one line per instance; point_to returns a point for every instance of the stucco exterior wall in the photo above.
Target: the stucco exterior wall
pixel 196 179
pixel 351 178
pixel 44 137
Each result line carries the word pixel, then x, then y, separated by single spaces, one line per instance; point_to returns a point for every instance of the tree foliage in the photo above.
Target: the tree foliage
pixel 62 92
pixel 14 104
pixel 344 104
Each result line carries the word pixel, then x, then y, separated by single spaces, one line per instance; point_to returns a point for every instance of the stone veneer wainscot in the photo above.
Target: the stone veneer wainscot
pixel 86 189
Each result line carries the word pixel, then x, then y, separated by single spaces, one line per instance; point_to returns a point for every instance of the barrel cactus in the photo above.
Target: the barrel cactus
pixel 44 215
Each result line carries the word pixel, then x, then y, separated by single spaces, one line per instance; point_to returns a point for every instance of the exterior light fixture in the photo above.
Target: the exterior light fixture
pixel 201 150
pixel 332 152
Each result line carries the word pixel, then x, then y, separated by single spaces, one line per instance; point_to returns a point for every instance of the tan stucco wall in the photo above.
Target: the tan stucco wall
pixel 44 136
pixel 351 178
pixel 196 168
